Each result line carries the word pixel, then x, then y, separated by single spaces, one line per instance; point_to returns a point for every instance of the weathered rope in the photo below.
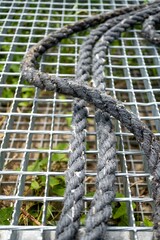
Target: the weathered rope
pixel 121 19
pixel 149 30
pixel 101 209
pixel 73 202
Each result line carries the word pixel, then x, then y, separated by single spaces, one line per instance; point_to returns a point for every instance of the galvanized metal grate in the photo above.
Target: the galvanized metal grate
pixel 35 125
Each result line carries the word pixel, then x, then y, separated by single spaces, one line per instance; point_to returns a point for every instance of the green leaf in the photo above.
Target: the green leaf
pixel 53 181
pixel 147 222
pixel 62 179
pixel 83 219
pixel 69 121
pixel 5 215
pixel 49 211
pixel 43 162
pixel 38 165
pixel 24 104
pixel 63 97
pixel 58 190
pixel 5 222
pixel 34 166
pixel 42 180
pixel 14 68
pixel 8 93
pixel 122 210
pixel 133 205
pixel 90 194
pixel 119 195
pixel 123 220
pixel 61 146
pixel 59 157
pixel 35 185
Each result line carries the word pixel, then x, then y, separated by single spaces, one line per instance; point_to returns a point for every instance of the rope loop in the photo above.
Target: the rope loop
pixel 91 66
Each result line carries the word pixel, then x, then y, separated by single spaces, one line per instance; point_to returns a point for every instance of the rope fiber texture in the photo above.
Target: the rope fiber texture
pixel 91 66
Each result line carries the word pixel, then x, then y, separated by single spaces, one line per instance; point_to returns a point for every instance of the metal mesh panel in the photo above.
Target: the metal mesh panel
pixel 35 125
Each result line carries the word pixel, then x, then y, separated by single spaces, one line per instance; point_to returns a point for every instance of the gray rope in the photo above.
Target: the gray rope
pixel 102 101
pixel 101 209
pixel 73 202
pixel 149 30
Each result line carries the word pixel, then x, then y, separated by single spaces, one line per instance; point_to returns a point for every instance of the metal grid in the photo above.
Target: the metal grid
pixel 35 125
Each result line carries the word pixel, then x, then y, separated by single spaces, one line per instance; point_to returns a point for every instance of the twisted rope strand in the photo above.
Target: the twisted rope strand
pixel 85 53
pixel 149 30
pixel 101 210
pixel 68 229
pixel 68 224
pixel 102 101
pixel 100 49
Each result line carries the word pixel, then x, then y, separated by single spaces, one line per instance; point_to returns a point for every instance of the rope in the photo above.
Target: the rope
pixel 101 210
pixel 91 61
pixel 73 202
pixel 149 30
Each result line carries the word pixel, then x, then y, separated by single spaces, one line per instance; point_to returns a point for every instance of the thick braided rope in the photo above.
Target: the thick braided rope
pixel 68 224
pixel 86 50
pixel 100 210
pixel 149 30
pixel 101 100
pixel 100 50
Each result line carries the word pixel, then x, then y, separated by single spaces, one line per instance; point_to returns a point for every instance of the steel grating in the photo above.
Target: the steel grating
pixel 35 126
